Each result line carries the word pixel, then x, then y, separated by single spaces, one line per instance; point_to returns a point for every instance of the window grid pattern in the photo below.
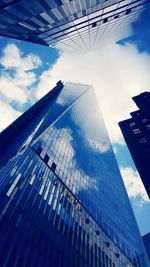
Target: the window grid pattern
pixel 61 190
pixel 86 174
pixel 76 24
pixel 37 199
pixel 139 127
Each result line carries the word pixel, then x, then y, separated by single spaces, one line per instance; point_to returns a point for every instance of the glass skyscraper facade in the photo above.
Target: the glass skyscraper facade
pixel 136 131
pixel 62 199
pixel 77 24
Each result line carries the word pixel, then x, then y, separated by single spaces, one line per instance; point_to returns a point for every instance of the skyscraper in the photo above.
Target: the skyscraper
pixel 62 198
pixel 78 24
pixel 136 132
pixel 146 241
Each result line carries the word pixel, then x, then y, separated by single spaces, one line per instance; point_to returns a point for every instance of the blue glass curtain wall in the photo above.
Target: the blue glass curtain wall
pixel 62 199
pixel 75 24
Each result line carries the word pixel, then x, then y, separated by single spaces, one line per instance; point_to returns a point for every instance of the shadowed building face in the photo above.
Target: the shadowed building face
pixel 136 132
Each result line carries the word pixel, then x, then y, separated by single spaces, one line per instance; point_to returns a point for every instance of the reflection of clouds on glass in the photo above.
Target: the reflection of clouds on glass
pixel 102 147
pixel 61 101
pixel 66 99
pixel 63 148
pixel 78 144
pixel 93 131
pixel 86 181
pixel 63 152
pixel 67 154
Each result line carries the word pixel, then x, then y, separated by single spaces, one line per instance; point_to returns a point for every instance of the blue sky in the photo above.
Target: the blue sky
pixel 117 71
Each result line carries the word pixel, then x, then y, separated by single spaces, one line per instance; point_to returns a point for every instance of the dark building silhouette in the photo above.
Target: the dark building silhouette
pixel 136 132
pixel 146 241
pixel 76 24
pixel 62 199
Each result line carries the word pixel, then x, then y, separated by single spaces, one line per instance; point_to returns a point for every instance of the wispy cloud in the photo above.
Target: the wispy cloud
pixel 7 115
pixel 13 58
pixel 17 74
pixel 134 185
pixel 17 79
pixel 14 87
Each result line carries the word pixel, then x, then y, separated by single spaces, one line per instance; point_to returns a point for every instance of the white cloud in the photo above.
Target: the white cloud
pixel 7 115
pixel 47 80
pixel 13 58
pixel 16 78
pixel 134 186
pixel 17 74
pixel 116 72
pixel 15 87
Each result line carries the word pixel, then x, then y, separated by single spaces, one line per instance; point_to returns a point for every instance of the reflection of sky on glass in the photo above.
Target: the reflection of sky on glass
pixel 141 32
pixel 79 145
pixel 62 103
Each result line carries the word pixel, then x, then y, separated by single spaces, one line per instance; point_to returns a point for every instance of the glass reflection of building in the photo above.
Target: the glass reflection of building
pixel 78 24
pixel 62 199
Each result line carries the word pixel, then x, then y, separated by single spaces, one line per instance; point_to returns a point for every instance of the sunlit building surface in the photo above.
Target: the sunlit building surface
pixel 136 132
pixel 62 199
pixel 77 24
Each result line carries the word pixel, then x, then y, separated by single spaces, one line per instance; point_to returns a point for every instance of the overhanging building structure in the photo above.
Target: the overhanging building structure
pixel 77 24
pixel 62 199
pixel 136 132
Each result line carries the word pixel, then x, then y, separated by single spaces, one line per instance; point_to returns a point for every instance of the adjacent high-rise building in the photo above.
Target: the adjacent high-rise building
pixel 77 24
pixel 62 198
pixel 136 132
pixel 146 241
